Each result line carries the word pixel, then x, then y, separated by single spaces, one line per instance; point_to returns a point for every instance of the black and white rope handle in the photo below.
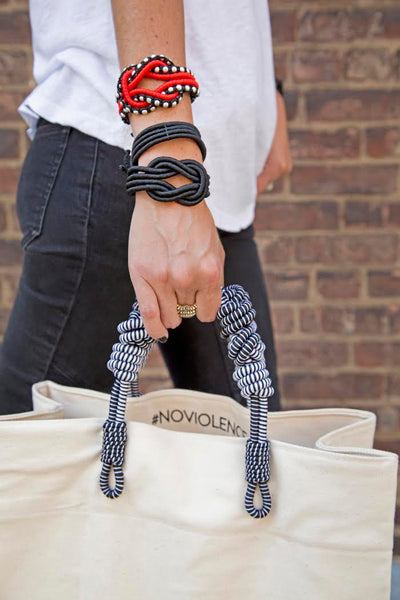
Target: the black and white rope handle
pixel 245 347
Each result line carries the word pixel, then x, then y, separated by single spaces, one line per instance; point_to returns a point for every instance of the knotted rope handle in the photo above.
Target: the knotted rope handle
pixel 246 349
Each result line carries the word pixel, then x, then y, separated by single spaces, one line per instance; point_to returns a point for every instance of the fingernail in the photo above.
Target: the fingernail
pixel 162 340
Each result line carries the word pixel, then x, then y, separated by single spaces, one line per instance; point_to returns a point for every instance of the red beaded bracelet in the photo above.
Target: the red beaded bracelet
pixel 175 81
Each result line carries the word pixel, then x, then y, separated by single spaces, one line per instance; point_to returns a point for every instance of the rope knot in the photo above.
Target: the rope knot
pixel 257 461
pixel 114 440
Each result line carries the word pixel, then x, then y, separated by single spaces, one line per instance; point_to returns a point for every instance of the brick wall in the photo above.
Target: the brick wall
pixel 328 235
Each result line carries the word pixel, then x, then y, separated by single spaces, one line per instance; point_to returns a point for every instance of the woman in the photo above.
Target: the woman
pixel 85 246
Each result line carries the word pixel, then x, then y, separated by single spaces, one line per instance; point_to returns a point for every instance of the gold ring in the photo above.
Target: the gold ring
pixel 186 311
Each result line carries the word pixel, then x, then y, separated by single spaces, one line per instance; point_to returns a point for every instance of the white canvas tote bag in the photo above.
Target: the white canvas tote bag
pixel 178 520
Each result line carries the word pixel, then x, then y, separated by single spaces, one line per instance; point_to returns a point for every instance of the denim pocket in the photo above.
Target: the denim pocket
pixel 37 178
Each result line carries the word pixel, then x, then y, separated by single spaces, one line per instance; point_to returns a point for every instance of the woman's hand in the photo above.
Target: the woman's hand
pixel 279 161
pixel 174 253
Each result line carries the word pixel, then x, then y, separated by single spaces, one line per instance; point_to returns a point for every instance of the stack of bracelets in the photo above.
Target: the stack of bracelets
pixel 132 98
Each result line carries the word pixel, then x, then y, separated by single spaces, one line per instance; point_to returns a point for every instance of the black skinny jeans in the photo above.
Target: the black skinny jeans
pixel 75 288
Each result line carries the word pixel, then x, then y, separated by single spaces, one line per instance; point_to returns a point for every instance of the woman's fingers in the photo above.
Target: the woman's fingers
pixel 149 309
pixel 167 302
pixel 208 303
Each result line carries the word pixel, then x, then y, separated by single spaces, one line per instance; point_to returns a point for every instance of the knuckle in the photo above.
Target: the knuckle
pixel 210 271
pixel 182 278
pixel 161 275
pixel 148 312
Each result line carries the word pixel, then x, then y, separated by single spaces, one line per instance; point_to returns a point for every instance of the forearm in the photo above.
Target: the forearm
pixel 145 27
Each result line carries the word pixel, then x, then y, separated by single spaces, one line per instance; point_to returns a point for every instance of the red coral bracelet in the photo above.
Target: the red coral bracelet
pixel 175 81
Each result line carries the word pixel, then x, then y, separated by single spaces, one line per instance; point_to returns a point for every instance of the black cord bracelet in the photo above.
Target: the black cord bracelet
pixel 151 179
pixel 161 132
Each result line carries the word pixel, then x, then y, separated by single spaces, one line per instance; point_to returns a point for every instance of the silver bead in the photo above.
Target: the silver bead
pixel 174 69
pixel 179 87
pixel 165 69
pixel 165 104
pixel 187 88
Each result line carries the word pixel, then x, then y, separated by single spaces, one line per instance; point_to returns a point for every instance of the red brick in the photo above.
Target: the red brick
pixel 277 250
pixel 384 283
pixel 342 386
pixel 4 316
pixel 394 353
pixel 9 180
pixel 3 218
pixel 312 249
pixel 345 25
pixel 393 215
pixel 291 103
pixel 9 143
pixel 283 26
pixel 345 249
pixel 280 65
pixel 374 64
pixel 357 105
pixel 340 144
pixel 290 285
pixel 363 214
pixel 10 287
pixel 325 26
pixel 13 219
pixel 9 101
pixel 14 67
pixel 388 419
pixel 282 319
pixel 344 320
pixel 383 141
pixel 393 388
pixel 296 216
pixel 370 354
pixel 10 252
pixel 339 284
pixel 316 65
pixel 344 180
pixel 394 318
pixel 310 320
pixel 384 23
pixel 311 354
pixel 15 28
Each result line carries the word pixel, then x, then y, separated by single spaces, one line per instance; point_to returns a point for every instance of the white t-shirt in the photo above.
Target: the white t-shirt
pixel 229 50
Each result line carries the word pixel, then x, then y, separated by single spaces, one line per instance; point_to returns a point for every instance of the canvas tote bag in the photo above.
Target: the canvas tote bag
pixel 172 516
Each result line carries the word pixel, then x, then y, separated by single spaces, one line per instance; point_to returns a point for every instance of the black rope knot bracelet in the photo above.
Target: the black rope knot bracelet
pixel 151 178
